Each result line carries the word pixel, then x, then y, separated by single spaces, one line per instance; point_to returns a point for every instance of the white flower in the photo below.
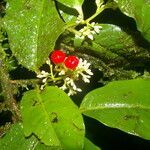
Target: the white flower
pixel 97 28
pixel 97 2
pixel 84 66
pixel 79 37
pixel 71 86
pixel 90 36
pixel 71 92
pixel 48 62
pixel 81 70
pixel 42 87
pixel 62 72
pixel 84 71
pixel 64 87
pixel 43 74
pixel 79 19
pixel 44 80
pixel 68 77
pixel 89 31
pixel 85 78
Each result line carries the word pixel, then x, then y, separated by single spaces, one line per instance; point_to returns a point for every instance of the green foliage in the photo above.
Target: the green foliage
pixel 111 42
pixel 121 104
pixel 112 37
pixel 114 41
pixel 14 139
pixel 89 145
pixel 140 11
pixel 77 4
pixel 32 30
pixel 54 124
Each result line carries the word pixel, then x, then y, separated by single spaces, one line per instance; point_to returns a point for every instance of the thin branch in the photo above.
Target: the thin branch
pixel 7 90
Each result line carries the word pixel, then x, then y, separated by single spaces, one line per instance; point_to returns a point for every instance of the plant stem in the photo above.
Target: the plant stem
pixel 55 79
pixel 74 31
pixel 7 90
pixel 51 72
pixel 98 11
pixel 21 82
pixel 71 27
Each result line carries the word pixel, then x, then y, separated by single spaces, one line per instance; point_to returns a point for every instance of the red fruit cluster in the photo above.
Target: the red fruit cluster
pixel 58 57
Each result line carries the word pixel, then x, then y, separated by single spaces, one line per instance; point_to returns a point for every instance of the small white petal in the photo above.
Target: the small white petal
pixel 90 36
pixel 63 87
pixel 86 80
pixel 93 32
pixel 97 30
pixel 88 71
pixel 39 76
pixel 67 79
pixel 42 87
pixel 93 23
pixel 71 92
pixel 62 72
pixel 79 90
pixel 44 80
pixel 43 72
pixel 48 62
pixel 82 37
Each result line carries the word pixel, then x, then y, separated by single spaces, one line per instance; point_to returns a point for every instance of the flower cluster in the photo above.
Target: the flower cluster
pixel 65 71
pixel 87 31
pixel 98 3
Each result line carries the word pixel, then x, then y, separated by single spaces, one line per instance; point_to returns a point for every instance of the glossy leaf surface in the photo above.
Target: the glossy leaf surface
pixel 77 4
pixel 88 145
pixel 33 28
pixel 15 140
pixel 121 104
pixel 140 11
pixel 112 41
pixel 53 117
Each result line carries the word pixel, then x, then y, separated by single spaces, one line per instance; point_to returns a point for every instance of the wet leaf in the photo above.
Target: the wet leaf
pixel 53 117
pixel 88 145
pixel 140 11
pixel 33 28
pixel 77 4
pixel 112 41
pixel 15 139
pixel 121 104
pixel 68 14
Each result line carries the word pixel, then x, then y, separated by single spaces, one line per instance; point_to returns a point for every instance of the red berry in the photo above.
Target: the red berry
pixel 57 57
pixel 71 62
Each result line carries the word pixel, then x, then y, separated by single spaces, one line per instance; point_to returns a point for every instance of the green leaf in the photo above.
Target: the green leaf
pixel 140 11
pixel 121 104
pixel 77 4
pixel 44 147
pixel 88 145
pixel 68 14
pixel 112 42
pixel 14 139
pixel 53 117
pixel 33 28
